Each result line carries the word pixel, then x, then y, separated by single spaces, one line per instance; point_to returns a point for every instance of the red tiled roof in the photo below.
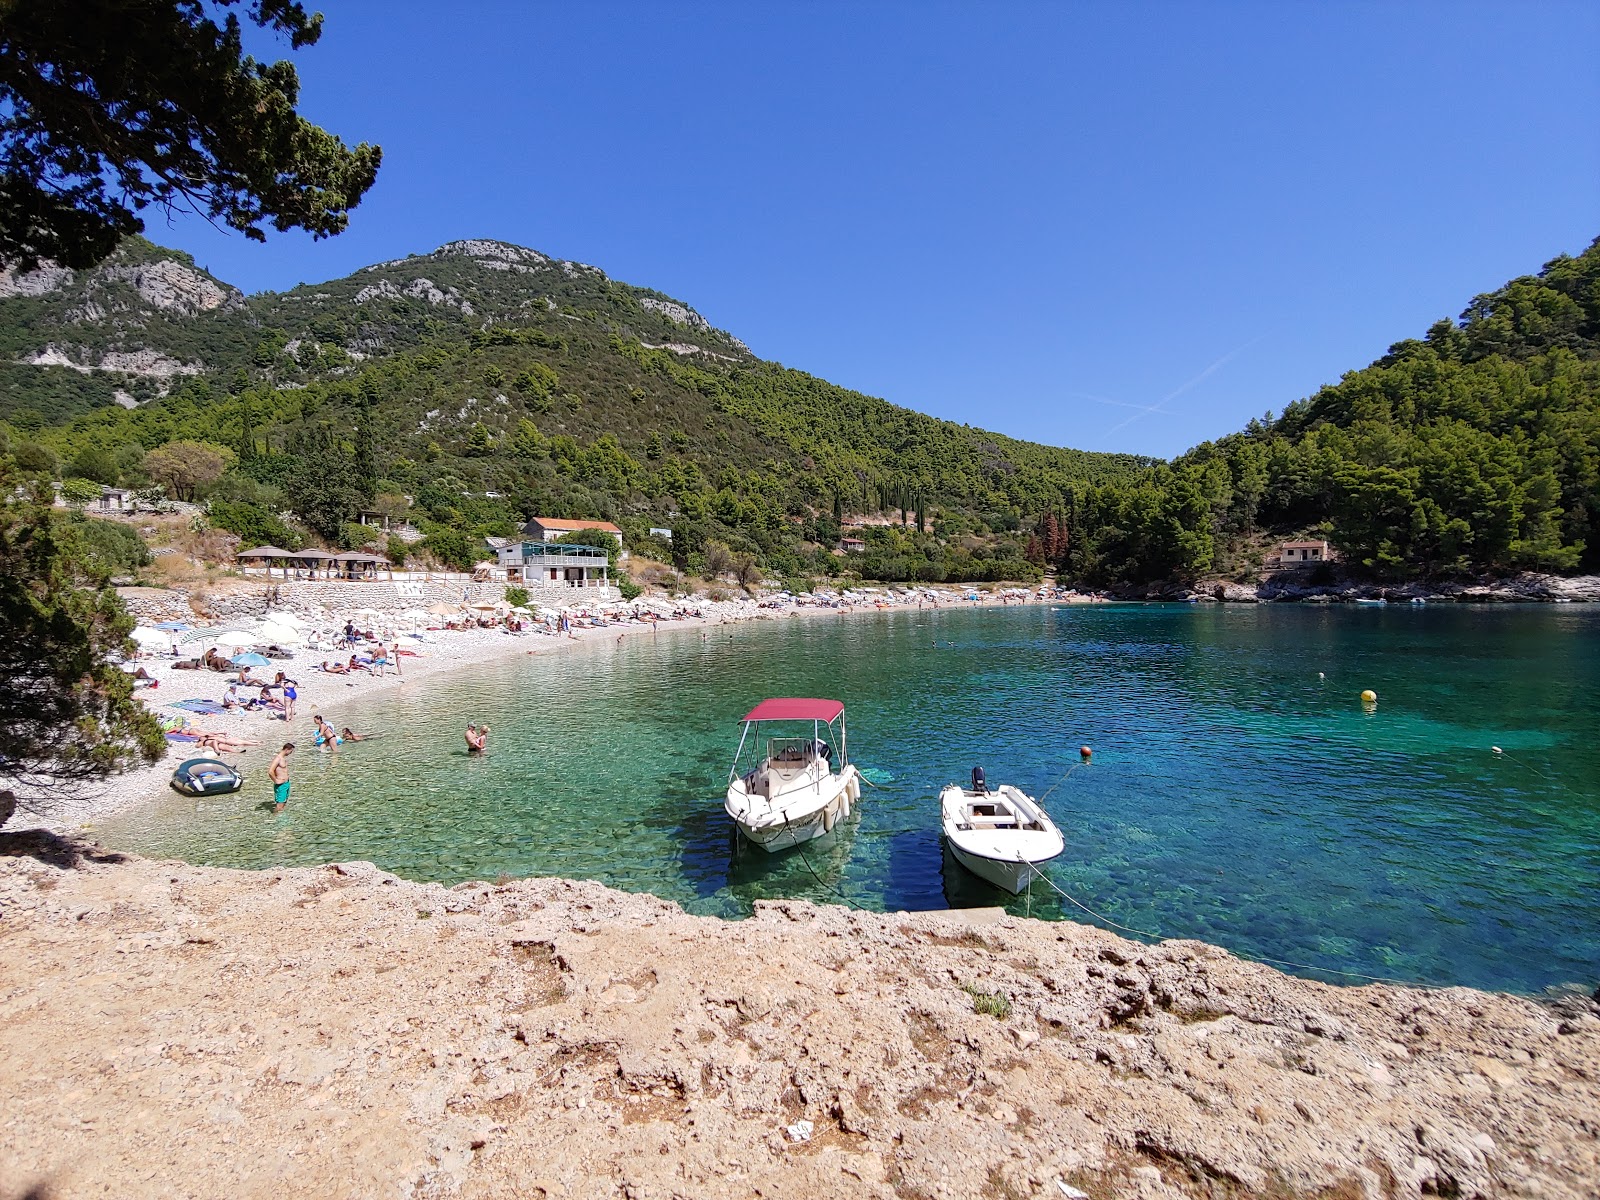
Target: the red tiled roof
pixel 572 526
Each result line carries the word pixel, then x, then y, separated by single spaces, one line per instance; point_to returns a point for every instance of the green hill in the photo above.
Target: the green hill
pixel 486 382
pixel 1475 448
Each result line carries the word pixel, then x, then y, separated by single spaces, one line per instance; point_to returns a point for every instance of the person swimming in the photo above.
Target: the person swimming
pixel 350 735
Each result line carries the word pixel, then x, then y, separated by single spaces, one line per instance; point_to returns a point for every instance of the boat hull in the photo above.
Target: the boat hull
pixel 803 818
pixel 1011 876
pixel 1004 857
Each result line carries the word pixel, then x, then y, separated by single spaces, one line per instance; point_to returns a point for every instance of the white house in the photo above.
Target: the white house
pixel 1304 554
pixel 550 565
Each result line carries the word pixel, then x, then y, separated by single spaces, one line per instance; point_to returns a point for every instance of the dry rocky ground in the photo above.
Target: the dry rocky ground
pixel 169 1030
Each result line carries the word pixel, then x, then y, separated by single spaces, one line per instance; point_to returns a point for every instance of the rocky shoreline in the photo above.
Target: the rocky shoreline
pixel 1294 587
pixel 178 1030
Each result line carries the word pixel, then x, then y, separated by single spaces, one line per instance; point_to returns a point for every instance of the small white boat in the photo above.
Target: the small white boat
pixel 1373 603
pixel 998 834
pixel 792 793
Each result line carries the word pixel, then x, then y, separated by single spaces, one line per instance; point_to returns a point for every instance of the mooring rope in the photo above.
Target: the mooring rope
pixel 1277 962
pixel 1499 753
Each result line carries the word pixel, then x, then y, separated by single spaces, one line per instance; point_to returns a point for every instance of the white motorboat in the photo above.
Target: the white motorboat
pixel 998 834
pixel 792 793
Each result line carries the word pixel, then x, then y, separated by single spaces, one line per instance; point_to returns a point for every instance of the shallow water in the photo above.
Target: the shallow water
pixel 1234 795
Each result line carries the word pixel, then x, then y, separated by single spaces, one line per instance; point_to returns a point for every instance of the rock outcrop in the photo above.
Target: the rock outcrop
pixel 174 1030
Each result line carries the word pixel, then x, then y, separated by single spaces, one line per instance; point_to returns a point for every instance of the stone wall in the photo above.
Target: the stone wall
pixel 317 599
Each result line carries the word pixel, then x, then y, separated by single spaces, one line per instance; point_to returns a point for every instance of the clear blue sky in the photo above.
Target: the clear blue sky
pixel 1041 219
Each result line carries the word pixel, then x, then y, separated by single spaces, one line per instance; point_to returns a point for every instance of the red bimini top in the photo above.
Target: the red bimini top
pixel 796 710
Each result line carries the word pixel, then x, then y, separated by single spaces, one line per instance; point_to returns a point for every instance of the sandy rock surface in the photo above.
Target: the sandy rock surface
pixel 182 1031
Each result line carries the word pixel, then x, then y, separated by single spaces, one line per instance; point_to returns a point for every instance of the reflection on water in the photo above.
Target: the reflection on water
pixel 1234 794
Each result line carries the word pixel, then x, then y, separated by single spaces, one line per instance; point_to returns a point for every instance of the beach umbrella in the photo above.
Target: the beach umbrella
pixel 174 626
pixel 366 612
pixel 235 639
pixel 149 638
pixel 281 634
pixel 444 610
pixel 250 660
pixel 413 614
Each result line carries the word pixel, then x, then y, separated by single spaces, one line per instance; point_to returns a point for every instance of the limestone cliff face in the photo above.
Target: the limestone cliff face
pixel 550 1038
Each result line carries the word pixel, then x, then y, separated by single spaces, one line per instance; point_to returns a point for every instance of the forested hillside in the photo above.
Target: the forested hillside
pixel 468 388
pixel 1474 448
pixel 471 387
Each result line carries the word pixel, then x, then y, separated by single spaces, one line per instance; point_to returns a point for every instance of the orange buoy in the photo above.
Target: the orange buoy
pixel 1084 753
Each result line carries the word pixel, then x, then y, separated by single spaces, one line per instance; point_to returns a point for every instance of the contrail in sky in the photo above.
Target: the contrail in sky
pixel 1146 409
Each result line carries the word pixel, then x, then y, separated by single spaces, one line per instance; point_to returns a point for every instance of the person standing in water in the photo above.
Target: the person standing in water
pixel 477 739
pixel 278 772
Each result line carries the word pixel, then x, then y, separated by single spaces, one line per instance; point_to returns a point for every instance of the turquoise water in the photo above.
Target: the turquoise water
pixel 1234 795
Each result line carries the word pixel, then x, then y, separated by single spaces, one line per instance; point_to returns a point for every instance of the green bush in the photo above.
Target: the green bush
pixel 627 586
pixel 355 536
pixel 114 547
pixel 450 546
pixel 256 526
pixel 517 597
pixel 398 550
pixel 80 491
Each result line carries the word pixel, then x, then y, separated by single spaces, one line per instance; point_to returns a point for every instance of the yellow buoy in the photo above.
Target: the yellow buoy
pixel 1369 697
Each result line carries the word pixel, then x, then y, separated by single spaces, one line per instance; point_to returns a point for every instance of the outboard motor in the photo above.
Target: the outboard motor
pixel 978 784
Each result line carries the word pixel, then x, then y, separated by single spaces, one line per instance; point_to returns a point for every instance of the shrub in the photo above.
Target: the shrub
pixel 79 492
pixel 256 526
pixel 451 547
pixel 353 535
pixel 115 548
pixel 398 550
pixel 517 597
pixel 627 586
pixel 990 1004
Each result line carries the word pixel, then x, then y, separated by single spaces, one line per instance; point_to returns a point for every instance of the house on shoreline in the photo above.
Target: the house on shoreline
pixel 1294 555
pixel 553 565
pixel 548 529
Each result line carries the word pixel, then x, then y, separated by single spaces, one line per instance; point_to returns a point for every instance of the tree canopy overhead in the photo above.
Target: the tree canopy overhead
pixel 110 106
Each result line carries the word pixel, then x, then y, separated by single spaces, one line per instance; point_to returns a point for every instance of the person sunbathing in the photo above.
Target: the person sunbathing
pixel 350 736
pixel 222 743
pixel 335 668
pixel 359 664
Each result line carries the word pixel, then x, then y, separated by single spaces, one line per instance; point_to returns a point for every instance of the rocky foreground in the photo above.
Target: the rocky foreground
pixel 181 1031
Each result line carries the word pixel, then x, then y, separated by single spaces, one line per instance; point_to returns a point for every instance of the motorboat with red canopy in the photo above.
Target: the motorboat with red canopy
pixel 792 792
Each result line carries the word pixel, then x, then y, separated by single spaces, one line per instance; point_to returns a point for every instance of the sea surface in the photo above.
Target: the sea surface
pixel 1239 792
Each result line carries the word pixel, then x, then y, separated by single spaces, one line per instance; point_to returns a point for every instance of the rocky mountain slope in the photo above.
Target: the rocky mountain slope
pixel 181 1031
pixel 150 313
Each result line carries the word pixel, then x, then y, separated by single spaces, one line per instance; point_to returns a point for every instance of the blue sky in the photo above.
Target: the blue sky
pixel 1041 219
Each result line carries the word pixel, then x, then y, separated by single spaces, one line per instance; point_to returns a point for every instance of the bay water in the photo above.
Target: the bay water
pixel 1239 791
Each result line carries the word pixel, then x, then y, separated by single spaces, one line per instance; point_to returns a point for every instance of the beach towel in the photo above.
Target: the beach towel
pixel 182 737
pixel 209 707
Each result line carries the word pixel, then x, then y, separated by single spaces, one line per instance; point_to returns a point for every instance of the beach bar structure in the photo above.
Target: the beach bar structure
pixel 314 563
pixel 553 565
